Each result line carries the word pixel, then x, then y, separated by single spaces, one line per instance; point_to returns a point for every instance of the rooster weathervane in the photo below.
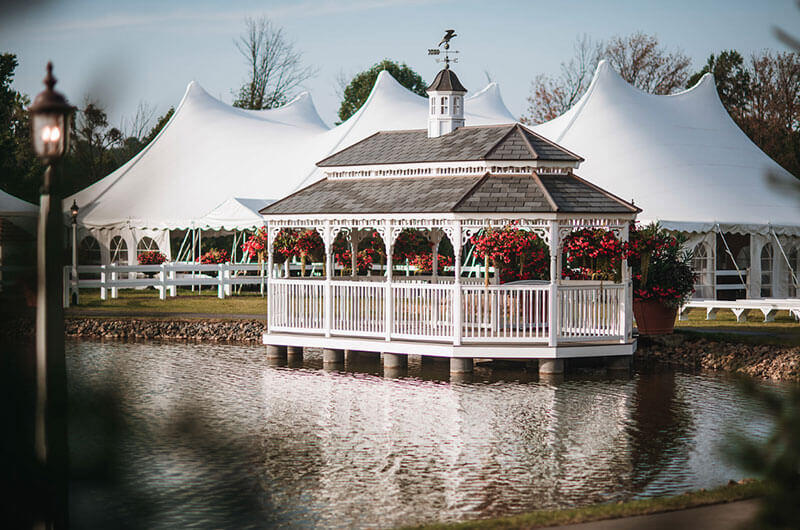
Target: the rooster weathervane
pixel 449 34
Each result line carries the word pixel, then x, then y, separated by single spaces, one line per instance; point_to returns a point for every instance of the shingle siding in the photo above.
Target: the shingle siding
pixel 509 142
pixel 469 194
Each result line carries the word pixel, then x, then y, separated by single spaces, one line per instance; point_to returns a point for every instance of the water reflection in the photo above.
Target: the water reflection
pixel 216 436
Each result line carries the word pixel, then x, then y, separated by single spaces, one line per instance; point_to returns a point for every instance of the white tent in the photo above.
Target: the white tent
pixel 19 212
pixel 688 165
pixel 681 157
pixel 11 206
pixel 235 213
pixel 209 151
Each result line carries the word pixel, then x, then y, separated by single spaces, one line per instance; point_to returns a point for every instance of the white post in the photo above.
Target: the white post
pixel 555 274
pixel 114 276
pixel 220 281
pixel 173 288
pixel 270 272
pixel 388 311
pixel 327 302
pixel 754 284
pixel 457 315
pixel 162 279
pixel 626 324
pixel 102 282
pixel 228 279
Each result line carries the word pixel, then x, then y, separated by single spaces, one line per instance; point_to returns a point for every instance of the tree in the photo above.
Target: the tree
pixel 642 62
pixel 731 77
pixel 275 67
pixel 357 91
pixel 638 58
pixel 162 121
pixel 552 96
pixel 20 170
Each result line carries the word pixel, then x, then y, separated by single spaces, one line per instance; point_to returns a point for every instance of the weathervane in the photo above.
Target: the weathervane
pixel 449 34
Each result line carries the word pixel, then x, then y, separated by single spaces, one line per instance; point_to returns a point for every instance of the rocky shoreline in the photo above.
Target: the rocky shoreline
pixel 768 361
pixel 780 363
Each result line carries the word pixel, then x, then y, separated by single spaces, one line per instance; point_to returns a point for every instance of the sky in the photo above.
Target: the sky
pixel 145 51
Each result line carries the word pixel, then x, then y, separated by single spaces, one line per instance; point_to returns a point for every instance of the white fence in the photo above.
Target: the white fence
pixel 591 311
pixel 166 278
pixel 440 312
pixel 505 313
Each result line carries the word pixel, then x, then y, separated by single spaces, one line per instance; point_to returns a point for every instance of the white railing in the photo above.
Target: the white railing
pixel 505 313
pixel 166 278
pixel 296 306
pixel 358 308
pixel 422 311
pixel 487 314
pixel 591 311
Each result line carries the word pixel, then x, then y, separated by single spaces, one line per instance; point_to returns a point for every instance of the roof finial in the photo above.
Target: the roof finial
pixel 49 81
pixel 449 34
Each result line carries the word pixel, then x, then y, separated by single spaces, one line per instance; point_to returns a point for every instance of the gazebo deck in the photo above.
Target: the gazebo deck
pixel 510 321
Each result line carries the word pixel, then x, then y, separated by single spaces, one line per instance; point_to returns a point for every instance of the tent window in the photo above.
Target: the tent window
pixel 444 105
pixel 146 244
pixel 119 250
pixel 89 251
pixel 766 270
pixel 701 263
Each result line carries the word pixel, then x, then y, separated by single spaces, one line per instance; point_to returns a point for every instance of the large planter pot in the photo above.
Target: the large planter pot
pixel 653 317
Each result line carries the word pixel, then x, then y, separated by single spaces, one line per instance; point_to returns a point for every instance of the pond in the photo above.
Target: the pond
pixel 168 435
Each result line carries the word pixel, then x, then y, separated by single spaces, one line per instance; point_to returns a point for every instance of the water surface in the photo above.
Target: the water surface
pixel 212 436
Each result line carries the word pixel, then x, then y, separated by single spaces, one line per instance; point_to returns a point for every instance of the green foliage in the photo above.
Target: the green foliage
pixel 20 170
pixel 162 121
pixel 731 77
pixel 777 459
pixel 356 93
pixel 661 269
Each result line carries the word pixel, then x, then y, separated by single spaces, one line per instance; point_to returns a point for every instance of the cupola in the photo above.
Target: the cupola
pixel 446 107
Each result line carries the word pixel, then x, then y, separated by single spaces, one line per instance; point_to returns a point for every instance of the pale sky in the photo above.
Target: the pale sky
pixel 149 50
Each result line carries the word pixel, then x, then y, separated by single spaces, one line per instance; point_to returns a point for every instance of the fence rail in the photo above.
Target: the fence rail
pixel 591 312
pixel 505 313
pixel 166 278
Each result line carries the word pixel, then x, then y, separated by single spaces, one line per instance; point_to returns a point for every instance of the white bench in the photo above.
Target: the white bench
pixel 768 307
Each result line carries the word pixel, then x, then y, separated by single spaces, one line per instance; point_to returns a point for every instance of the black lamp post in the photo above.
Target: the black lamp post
pixel 73 211
pixel 50 128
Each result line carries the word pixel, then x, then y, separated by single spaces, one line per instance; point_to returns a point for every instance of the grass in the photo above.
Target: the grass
pixel 783 331
pixel 136 302
pixel 598 512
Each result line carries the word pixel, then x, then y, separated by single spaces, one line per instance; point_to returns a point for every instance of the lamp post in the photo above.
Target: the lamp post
pixel 50 128
pixel 73 211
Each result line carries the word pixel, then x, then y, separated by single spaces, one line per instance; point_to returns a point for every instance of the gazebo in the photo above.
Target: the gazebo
pixel 450 181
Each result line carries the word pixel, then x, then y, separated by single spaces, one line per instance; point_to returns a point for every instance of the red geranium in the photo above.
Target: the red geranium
pixel 151 257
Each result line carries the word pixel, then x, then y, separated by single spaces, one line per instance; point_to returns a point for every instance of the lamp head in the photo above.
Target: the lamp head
pixel 50 121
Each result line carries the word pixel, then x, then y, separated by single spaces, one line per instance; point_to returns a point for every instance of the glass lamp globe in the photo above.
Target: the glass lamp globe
pixel 50 120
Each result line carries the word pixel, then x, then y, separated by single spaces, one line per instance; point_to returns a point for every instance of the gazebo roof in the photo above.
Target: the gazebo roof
pixel 512 142
pixel 530 193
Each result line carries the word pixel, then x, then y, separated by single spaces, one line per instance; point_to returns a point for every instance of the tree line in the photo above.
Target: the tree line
pixel 761 93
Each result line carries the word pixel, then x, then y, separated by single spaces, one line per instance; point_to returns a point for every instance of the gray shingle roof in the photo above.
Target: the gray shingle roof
pixel 468 194
pixel 446 80
pixel 507 142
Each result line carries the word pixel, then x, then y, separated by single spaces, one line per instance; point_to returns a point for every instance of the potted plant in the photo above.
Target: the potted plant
pixel 662 276
pixel 151 257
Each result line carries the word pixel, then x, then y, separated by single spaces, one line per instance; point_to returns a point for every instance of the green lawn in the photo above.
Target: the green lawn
pixel 783 331
pixel 597 512
pixel 135 302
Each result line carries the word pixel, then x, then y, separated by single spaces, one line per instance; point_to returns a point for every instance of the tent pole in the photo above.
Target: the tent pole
pixel 728 250
pixel 785 257
pixel 199 253
pixel 183 243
